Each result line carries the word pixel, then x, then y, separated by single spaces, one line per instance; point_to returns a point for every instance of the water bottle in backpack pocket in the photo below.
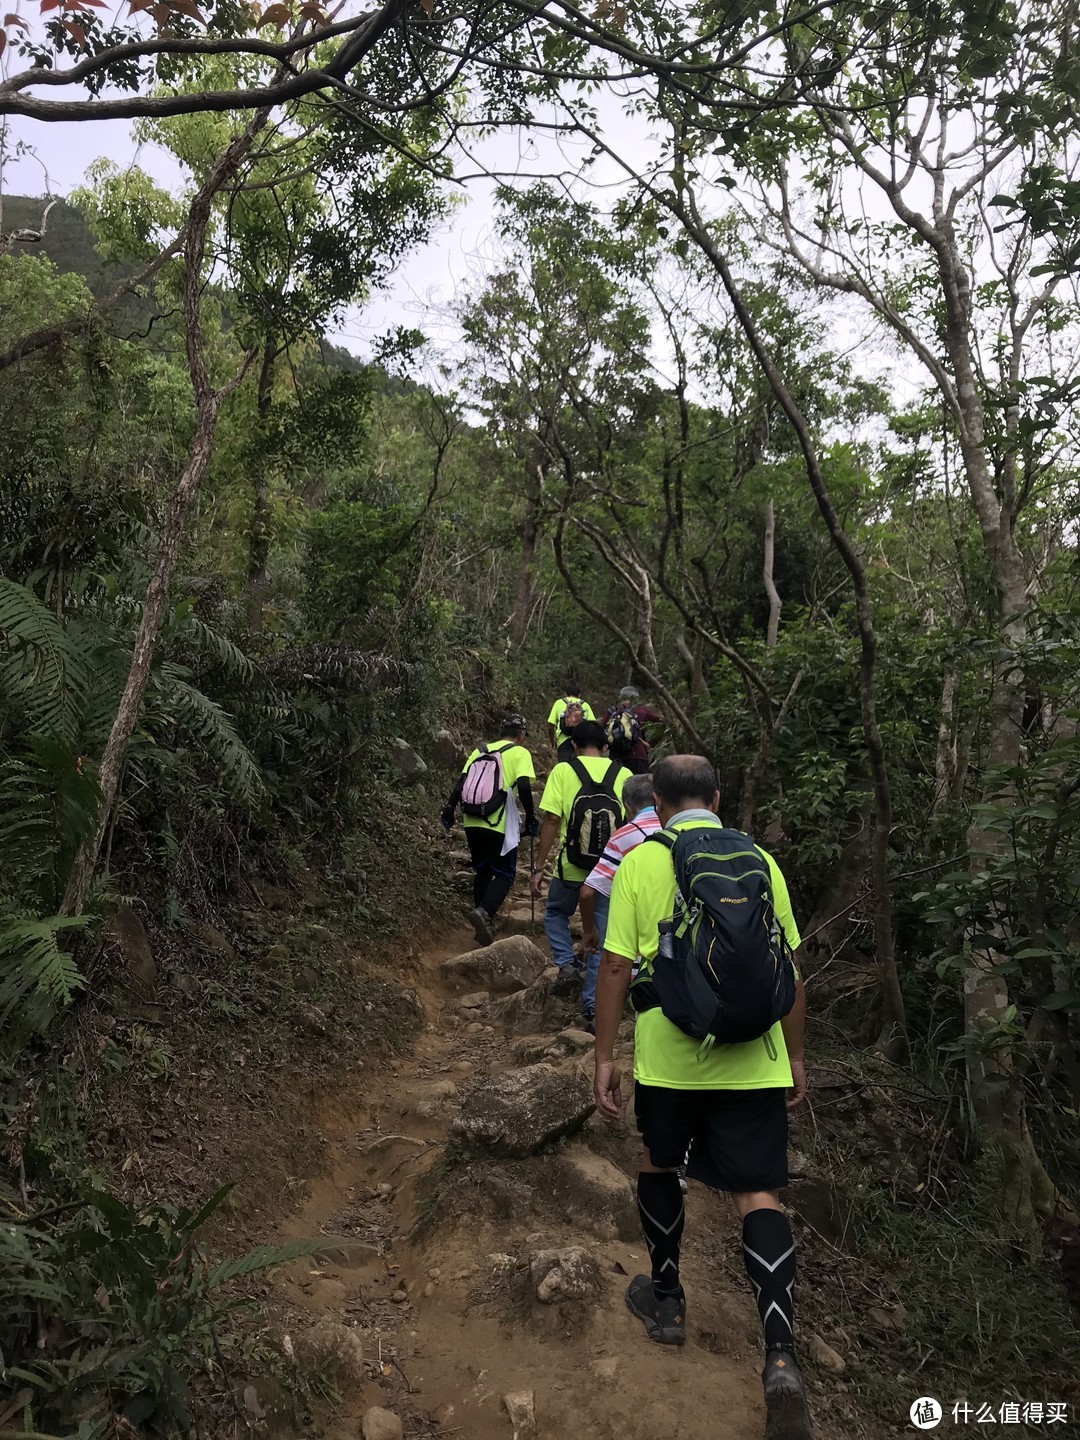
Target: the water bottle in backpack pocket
pixel 483 794
pixel 723 971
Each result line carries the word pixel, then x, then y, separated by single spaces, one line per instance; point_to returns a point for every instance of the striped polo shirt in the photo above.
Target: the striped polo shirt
pixel 625 839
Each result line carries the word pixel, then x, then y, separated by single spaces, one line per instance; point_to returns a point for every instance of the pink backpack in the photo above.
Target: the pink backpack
pixel 484 793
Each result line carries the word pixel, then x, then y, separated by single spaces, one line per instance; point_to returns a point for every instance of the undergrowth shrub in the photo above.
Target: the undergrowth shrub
pixel 110 1310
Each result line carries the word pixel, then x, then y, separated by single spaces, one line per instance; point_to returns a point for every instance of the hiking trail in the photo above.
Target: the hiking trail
pixel 441 1290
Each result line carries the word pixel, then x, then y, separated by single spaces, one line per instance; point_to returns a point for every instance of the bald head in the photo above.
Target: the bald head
pixel 684 782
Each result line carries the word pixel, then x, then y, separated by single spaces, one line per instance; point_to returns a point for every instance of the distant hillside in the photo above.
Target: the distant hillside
pixel 69 244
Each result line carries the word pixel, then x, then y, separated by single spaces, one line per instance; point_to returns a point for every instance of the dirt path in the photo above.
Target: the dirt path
pixel 466 1327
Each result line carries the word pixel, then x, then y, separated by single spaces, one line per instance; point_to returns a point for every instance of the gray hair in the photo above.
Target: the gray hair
pixel 679 779
pixel 629 693
pixel 636 794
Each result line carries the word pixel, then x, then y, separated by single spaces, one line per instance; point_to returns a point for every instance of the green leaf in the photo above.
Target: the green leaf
pixel 1062 1000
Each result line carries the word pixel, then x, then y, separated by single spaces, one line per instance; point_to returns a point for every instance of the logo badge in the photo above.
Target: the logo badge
pixel 926 1413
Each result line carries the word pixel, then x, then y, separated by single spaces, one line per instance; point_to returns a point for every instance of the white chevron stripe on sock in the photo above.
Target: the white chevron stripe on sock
pixel 770 1268
pixel 768 1312
pixel 671 1227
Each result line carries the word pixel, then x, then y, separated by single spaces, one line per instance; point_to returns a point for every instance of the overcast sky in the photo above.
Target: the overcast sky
pixel 423 291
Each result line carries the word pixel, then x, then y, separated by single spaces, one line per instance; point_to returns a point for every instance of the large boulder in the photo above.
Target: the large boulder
pixel 448 753
pixel 126 932
pixel 409 765
pixel 532 1010
pixel 505 966
pixel 518 1113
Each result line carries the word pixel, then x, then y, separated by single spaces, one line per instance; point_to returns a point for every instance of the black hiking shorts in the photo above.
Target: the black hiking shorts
pixel 736 1139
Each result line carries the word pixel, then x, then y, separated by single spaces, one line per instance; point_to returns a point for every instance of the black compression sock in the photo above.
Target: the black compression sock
pixel 660 1205
pixel 769 1255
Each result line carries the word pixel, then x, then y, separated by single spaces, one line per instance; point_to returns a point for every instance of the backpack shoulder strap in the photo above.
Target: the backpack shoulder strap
pixel 666 838
pixel 499 748
pixel 608 781
pixel 482 749
pixel 579 770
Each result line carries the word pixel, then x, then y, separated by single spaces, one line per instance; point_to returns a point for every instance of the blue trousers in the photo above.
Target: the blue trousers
pixel 562 901
pixel 592 962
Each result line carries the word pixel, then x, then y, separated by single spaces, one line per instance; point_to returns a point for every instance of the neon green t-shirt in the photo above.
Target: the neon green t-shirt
pixel 517 763
pixel 642 895
pixel 555 717
pixel 559 792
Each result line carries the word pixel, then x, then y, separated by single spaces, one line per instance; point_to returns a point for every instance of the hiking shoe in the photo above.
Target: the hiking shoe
pixel 566 982
pixel 787 1415
pixel 664 1316
pixel 481 924
pixel 588 1022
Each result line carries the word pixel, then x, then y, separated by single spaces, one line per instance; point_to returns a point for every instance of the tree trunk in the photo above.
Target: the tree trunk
pixel 259 534
pixel 996 1093
pixel 530 536
pixel 695 672
pixel 207 406
pixel 773 632
pixel 894 1024
pixel 947 757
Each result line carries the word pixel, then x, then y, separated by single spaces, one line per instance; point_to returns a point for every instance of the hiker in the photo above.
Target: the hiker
pixel 641 821
pixel 718 1062
pixel 567 713
pixel 581 807
pixel 624 724
pixel 485 790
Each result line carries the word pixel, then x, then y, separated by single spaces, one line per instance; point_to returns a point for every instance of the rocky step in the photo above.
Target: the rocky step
pixel 518 920
pixel 503 967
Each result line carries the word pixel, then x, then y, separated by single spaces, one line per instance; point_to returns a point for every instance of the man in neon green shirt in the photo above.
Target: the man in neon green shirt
pixel 726 1106
pixel 493 839
pixel 562 788
pixel 560 737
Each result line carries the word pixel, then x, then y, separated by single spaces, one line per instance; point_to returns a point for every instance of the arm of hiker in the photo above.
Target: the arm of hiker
pixel 447 816
pixel 794 1028
pixel 549 830
pixel 612 983
pixel 525 795
pixel 587 906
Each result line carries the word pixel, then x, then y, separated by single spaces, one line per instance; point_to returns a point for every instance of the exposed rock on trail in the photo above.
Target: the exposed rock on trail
pixel 532 1010
pixel 504 966
pixel 570 1274
pixel 516 1114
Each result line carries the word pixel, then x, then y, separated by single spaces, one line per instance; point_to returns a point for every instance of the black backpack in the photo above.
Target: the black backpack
pixel 623 731
pixel 595 815
pixel 723 971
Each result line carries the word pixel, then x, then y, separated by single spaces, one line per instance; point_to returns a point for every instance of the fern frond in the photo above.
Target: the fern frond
pixel 49 804
pixel 207 641
pixel 43 677
pixel 37 978
pixel 269 1257
pixel 213 729
pixel 338 666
